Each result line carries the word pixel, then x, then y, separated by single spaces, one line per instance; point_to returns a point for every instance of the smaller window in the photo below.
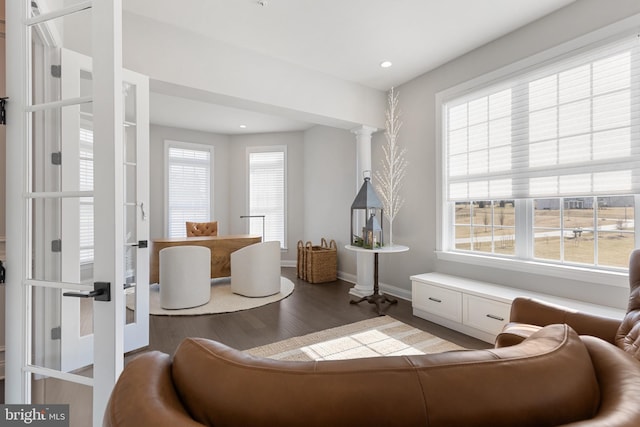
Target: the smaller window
pixel 85 156
pixel 189 168
pixel 267 193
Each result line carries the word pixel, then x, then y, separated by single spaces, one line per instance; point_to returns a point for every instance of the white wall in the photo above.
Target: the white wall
pixel 294 141
pixel 415 225
pixel 321 183
pixel 174 58
pixel 320 178
pixel 330 187
pixel 158 134
pixel 247 79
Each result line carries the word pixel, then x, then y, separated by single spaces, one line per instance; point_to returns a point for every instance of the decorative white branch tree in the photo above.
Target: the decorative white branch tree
pixel 394 164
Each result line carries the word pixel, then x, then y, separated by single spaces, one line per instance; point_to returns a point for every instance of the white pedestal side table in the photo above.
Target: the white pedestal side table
pixel 377 298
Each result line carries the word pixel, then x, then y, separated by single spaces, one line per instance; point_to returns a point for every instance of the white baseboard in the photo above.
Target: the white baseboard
pixel 387 289
pixel 288 263
pixel 395 291
pixel 351 278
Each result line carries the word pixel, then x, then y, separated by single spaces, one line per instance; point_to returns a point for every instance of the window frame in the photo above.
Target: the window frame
pixel 523 260
pixel 268 149
pixel 168 143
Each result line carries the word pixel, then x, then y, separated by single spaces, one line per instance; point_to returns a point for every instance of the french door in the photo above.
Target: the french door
pixel 77 228
pixel 76 215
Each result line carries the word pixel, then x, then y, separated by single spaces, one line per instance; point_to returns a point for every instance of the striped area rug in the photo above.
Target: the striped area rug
pixel 380 336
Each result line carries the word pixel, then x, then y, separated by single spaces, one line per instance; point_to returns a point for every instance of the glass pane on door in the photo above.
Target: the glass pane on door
pixel 72 32
pixel 61 212
pixel 48 337
pixel 131 207
pixel 50 391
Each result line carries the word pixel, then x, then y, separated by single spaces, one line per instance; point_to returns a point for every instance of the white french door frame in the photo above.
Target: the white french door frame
pixel 106 33
pixel 109 198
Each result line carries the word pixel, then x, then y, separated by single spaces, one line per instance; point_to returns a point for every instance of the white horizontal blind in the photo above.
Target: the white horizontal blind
pixel 86 184
pixel 569 128
pixel 188 187
pixel 267 193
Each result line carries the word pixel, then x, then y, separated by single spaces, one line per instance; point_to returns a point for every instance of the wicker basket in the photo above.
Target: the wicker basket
pixel 321 262
pixel 302 261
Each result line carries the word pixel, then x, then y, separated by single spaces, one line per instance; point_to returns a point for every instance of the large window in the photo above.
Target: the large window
pixel 545 164
pixel 267 192
pixel 189 168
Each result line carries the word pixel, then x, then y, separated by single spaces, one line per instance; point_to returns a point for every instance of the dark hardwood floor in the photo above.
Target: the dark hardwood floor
pixel 311 308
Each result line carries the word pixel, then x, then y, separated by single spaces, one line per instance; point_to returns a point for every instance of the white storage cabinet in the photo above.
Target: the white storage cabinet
pixel 479 309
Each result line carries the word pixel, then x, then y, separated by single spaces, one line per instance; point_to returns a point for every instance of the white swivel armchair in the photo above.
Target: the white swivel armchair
pixel 255 270
pixel 185 276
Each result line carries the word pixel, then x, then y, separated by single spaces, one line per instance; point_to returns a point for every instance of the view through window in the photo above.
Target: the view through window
pixel 582 230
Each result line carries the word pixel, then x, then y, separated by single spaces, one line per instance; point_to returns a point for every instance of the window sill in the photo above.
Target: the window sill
pixel 583 274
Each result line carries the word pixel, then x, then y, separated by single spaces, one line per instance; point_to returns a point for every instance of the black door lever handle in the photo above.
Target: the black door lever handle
pixel 101 292
pixel 141 244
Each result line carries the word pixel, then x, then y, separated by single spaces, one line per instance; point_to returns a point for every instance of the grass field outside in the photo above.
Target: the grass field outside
pixel 566 235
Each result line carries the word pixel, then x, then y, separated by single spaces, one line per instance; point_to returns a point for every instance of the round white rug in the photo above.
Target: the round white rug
pixel 222 300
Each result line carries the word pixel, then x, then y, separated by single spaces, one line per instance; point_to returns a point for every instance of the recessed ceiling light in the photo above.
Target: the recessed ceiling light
pixel 386 64
pixel 243 126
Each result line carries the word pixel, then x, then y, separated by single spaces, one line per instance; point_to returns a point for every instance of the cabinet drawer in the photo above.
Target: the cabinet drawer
pixel 436 300
pixel 485 314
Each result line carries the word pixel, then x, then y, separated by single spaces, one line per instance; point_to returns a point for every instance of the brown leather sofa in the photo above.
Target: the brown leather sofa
pixel 554 377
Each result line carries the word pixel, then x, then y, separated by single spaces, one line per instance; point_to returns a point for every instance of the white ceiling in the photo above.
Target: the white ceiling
pixel 347 39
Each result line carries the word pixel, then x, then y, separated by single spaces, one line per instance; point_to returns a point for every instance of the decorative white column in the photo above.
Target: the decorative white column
pixel 364 279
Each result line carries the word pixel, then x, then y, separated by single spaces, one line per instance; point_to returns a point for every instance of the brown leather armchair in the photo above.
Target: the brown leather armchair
pixel 628 334
pixel 196 229
pixel 529 315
